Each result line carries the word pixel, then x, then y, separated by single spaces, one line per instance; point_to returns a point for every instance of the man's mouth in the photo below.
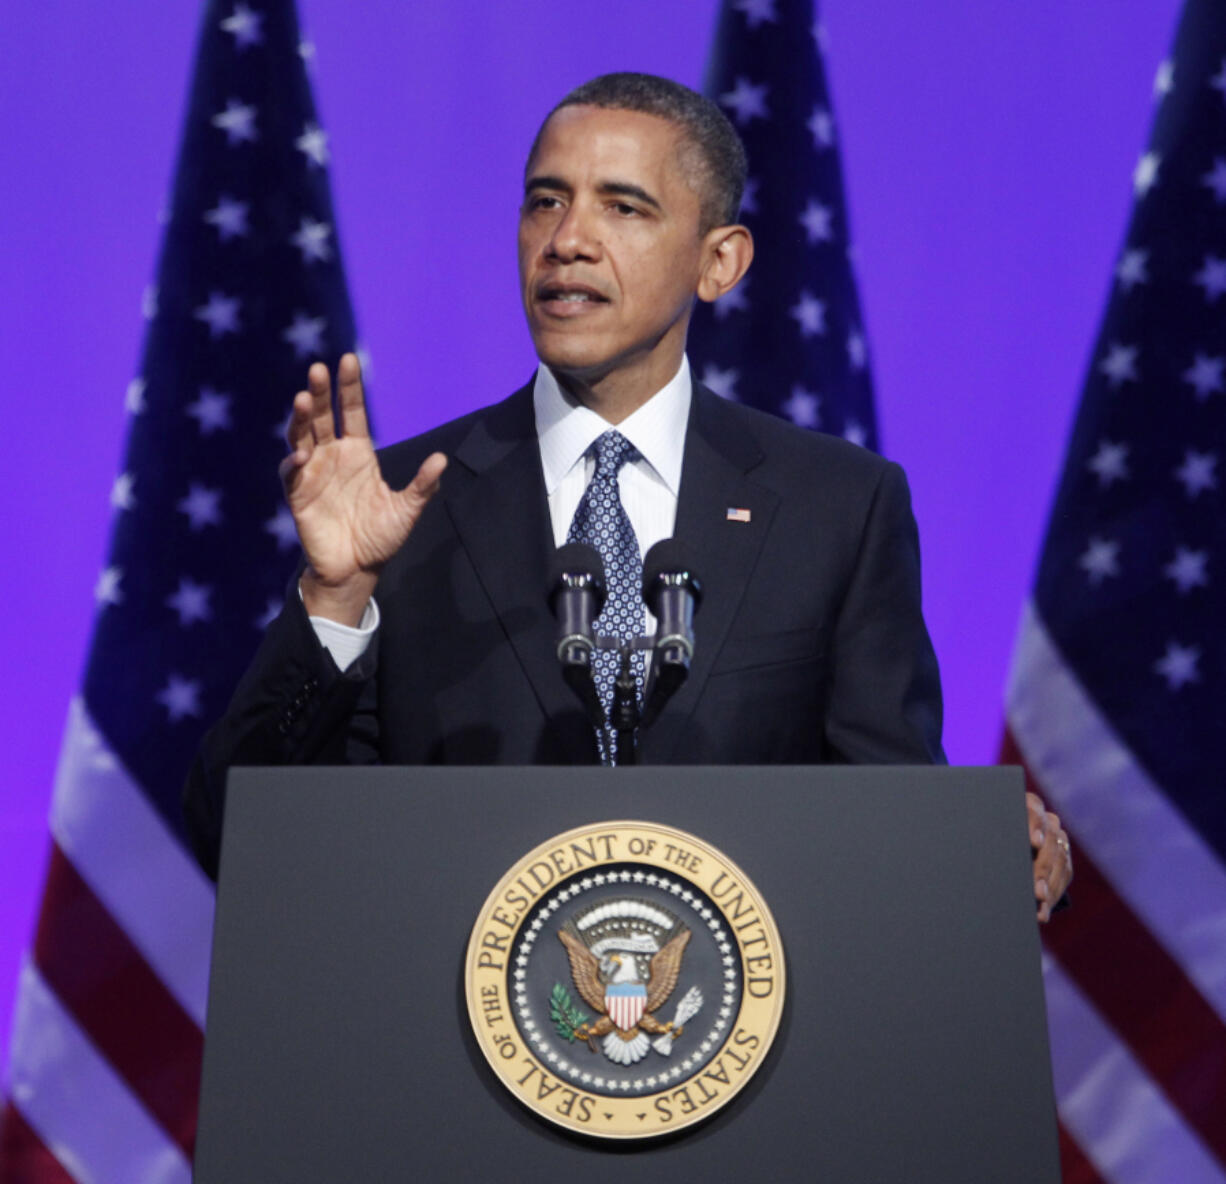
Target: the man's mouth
pixel 560 294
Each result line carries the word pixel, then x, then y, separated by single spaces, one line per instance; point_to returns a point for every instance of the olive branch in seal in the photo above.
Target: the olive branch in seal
pixel 565 1015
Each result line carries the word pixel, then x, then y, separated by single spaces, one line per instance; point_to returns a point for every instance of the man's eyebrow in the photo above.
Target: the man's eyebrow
pixel 626 189
pixel 540 182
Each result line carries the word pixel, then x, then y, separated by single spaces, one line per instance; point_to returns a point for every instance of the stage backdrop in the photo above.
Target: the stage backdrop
pixel 988 149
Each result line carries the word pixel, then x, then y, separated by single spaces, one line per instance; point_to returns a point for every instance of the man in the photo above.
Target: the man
pixel 422 634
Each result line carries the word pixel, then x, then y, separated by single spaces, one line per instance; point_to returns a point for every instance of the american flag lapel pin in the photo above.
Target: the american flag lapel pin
pixel 735 514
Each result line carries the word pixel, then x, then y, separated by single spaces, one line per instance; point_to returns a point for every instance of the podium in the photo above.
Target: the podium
pixel 913 1042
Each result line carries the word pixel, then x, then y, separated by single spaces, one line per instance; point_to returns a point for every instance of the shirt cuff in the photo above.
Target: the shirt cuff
pixel 346 643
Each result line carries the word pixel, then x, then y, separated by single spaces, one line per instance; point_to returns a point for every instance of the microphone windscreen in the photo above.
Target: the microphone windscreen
pixel 669 557
pixel 576 559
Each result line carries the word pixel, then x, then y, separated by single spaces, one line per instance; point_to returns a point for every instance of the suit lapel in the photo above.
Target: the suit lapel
pixel 714 479
pixel 501 514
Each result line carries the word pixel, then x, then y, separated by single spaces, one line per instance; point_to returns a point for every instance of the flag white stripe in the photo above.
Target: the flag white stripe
pixel 132 862
pixel 1154 859
pixel 82 1111
pixel 1108 1103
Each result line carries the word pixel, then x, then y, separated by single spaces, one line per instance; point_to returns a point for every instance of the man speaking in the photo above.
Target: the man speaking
pixel 422 632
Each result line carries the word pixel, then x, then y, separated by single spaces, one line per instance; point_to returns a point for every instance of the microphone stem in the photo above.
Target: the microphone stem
pixel 625 709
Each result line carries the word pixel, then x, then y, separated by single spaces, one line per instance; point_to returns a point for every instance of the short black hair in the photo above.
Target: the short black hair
pixel 712 151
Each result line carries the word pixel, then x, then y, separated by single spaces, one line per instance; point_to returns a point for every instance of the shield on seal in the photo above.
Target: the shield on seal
pixel 625 1003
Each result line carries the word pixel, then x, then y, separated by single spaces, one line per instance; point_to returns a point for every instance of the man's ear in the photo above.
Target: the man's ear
pixel 727 254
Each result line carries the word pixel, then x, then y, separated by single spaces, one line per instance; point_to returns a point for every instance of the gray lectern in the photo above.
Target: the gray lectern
pixel 913 1041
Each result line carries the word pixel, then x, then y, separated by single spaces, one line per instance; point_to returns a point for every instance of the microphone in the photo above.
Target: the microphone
pixel 576 596
pixel 673 593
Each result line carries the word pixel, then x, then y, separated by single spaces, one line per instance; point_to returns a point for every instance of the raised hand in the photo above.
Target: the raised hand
pixel 350 521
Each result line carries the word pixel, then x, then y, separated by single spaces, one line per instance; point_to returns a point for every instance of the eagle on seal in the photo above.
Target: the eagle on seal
pixel 625 959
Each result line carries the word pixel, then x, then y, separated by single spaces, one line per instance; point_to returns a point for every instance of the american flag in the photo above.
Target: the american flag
pixel 106 1050
pixel 1117 697
pixel 789 338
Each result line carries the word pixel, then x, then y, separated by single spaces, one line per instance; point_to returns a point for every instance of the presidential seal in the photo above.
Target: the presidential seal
pixel 625 980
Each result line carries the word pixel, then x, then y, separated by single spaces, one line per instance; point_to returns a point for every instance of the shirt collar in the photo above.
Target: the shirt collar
pixel 566 429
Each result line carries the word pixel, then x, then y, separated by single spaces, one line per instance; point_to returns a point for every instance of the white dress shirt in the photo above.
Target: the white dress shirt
pixel 565 430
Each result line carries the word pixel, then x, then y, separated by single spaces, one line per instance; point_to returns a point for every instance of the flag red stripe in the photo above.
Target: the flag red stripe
pixel 124 1008
pixel 1142 992
pixel 1074 1165
pixel 24 1158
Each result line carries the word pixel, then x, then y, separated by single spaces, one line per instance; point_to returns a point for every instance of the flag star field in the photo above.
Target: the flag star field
pixel 789 339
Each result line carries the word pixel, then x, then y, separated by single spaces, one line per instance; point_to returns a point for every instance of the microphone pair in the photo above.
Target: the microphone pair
pixel 671 591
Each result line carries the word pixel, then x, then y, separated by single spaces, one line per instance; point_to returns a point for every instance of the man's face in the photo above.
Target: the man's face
pixel 610 249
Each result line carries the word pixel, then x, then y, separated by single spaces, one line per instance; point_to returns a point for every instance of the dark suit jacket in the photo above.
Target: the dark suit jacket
pixel 811 646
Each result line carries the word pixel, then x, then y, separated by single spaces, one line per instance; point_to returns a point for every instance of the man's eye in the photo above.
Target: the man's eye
pixel 542 201
pixel 625 209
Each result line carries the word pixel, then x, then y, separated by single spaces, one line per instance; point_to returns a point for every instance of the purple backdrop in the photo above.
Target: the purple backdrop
pixel 988 149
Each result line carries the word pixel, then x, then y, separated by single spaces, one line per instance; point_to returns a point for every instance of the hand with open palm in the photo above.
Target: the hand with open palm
pixel 350 521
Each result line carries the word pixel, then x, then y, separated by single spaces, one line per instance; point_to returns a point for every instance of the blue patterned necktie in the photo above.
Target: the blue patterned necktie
pixel 601 522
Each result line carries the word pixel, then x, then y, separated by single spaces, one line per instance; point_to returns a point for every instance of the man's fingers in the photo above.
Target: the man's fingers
pixel 294 462
pixel 287 469
pixel 1037 817
pixel 1043 868
pixel 1043 895
pixel 323 426
pixel 1053 867
pixel 1045 860
pixel 430 472
pixel 298 428
pixel 425 484
pixel 351 397
pixel 1061 874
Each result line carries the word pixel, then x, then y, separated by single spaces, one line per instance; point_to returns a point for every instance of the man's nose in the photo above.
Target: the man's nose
pixel 574 236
